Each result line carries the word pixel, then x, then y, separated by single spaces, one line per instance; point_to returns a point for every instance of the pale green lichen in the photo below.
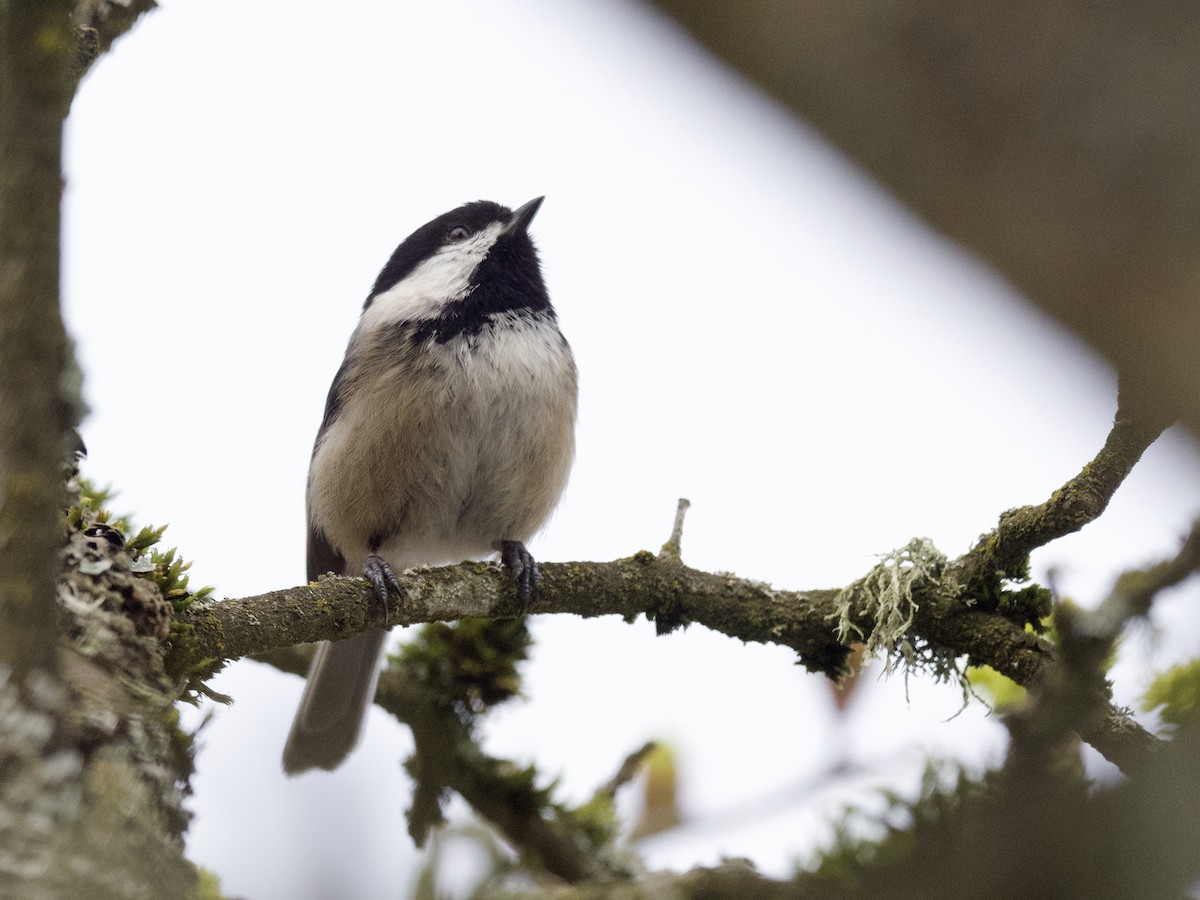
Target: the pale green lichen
pixel 41 792
pixel 885 597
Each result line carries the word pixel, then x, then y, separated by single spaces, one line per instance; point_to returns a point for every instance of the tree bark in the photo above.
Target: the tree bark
pixel 92 766
pixel 36 43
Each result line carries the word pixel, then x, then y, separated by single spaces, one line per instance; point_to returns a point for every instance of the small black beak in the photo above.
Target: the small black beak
pixel 523 215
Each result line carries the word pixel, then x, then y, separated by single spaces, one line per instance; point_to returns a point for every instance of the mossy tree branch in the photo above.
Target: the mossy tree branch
pixel 1034 827
pixel 947 617
pixel 671 594
pixel 495 789
pixel 1004 551
pixel 447 758
pixel 334 608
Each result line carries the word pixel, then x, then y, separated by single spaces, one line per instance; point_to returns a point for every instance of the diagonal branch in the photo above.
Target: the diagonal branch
pixel 1134 591
pixel 1004 551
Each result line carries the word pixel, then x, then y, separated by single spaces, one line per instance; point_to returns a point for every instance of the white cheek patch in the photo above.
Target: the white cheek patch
pixel 443 278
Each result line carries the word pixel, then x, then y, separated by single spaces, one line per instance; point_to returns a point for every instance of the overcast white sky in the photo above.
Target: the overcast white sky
pixel 757 327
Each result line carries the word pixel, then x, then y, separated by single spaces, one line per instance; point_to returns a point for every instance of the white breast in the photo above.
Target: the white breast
pixel 442 456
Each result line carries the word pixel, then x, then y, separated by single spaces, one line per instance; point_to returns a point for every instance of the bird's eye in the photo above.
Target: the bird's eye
pixel 457 233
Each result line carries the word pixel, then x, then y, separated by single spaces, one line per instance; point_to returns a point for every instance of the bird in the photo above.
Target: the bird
pixel 448 434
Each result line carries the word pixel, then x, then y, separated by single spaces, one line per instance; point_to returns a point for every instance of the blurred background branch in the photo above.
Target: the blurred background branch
pixel 440 685
pixel 1058 141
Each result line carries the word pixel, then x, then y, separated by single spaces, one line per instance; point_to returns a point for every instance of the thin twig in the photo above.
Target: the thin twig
pixel 672 549
pixel 1134 591
pixel 629 769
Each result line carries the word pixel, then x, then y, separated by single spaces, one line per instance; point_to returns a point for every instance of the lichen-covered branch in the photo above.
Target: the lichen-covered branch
pixel 938 614
pixel 670 593
pixel 94 767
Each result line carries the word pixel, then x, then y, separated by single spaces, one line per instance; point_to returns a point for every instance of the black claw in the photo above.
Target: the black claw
pixel 521 568
pixel 384 580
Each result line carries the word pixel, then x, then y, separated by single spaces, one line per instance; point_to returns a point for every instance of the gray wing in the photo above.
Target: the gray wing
pixel 322 557
pixel 342 677
pixel 333 400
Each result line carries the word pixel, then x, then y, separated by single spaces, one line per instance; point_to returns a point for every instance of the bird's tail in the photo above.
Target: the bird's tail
pixel 341 683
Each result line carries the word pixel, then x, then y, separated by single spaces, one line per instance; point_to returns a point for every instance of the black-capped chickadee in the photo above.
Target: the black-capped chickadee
pixel 448 434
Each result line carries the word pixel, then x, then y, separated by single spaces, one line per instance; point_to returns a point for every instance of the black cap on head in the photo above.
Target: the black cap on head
pixel 432 236
pixel 508 278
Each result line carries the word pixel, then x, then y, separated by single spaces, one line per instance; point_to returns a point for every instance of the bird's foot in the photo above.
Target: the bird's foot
pixel 383 579
pixel 522 569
